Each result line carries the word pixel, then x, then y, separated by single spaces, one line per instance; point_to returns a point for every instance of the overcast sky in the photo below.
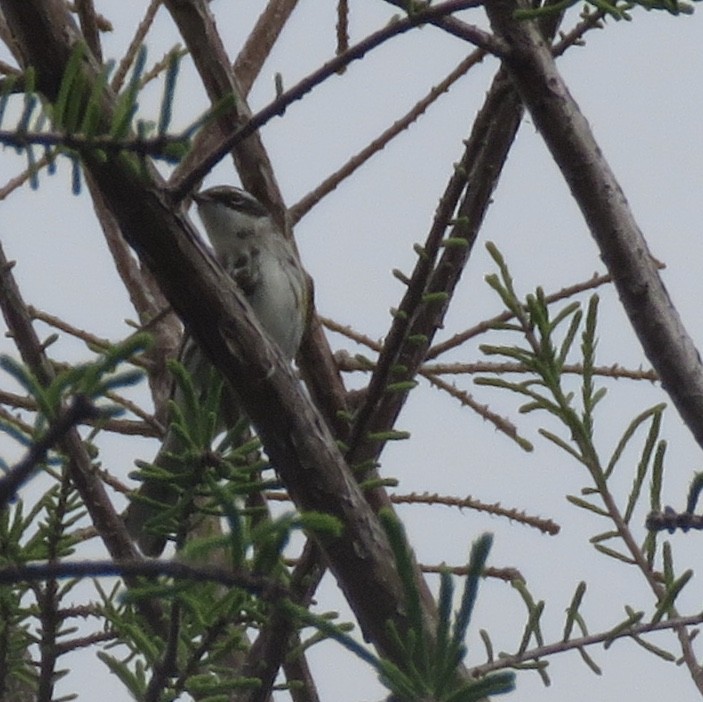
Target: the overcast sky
pixel 640 84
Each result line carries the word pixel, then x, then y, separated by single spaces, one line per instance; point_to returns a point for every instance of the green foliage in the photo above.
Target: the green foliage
pixel 220 478
pixel 189 465
pixel 48 530
pixel 15 612
pixel 206 624
pixel 432 660
pixel 618 10
pixel 546 342
pixel 206 633
pixel 80 123
pixel 91 380
pixel 45 532
pixel 431 665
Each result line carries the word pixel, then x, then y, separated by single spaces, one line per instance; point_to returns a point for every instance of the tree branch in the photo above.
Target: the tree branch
pixel 78 411
pixel 106 520
pixel 432 283
pixel 606 638
pixel 197 27
pixel 657 323
pixel 245 128
pixel 247 67
pixel 219 318
pixel 38 572
pixel 261 40
pixel 623 247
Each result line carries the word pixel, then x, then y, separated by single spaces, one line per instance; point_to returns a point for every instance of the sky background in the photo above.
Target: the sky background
pixel 639 84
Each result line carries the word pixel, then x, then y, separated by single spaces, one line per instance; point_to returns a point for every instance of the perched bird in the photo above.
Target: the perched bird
pixel 252 249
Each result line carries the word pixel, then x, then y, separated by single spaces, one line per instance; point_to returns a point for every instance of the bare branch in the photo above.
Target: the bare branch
pixel 624 250
pixel 461 29
pixel 261 40
pixel 80 409
pixel 614 371
pixel 342 26
pixel 299 210
pixel 219 318
pixel 37 572
pixel 147 300
pixel 246 128
pixel 431 284
pixel 605 638
pixel 574 37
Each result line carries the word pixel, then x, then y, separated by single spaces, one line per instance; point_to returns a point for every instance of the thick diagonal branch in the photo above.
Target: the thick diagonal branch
pixel 219 318
pixel 432 283
pixel 595 188
pixel 87 482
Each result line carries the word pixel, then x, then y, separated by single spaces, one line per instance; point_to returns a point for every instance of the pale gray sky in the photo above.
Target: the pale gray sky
pixel 640 85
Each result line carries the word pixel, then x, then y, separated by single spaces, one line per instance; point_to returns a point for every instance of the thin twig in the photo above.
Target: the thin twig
pixel 342 27
pixel 502 424
pixel 128 427
pixel 547 526
pixel 19 180
pixel 85 641
pixel 137 41
pixel 176 53
pixel 279 105
pixel 615 371
pixel 301 208
pixel 595 282
pixel 92 341
pixel 37 572
pixel 80 408
pixel 606 637
pixel 89 26
pixel 575 35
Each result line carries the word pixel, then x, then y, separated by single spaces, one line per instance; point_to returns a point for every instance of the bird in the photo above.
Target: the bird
pixel 253 250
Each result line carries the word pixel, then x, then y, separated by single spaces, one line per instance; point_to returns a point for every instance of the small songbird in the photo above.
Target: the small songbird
pixel 253 250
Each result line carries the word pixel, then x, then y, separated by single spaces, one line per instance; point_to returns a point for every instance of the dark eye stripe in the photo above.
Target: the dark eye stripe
pixel 233 197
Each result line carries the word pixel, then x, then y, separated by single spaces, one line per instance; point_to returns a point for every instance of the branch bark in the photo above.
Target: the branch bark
pixel 197 27
pixel 623 247
pixel 92 491
pixel 432 283
pixel 657 323
pixel 219 318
